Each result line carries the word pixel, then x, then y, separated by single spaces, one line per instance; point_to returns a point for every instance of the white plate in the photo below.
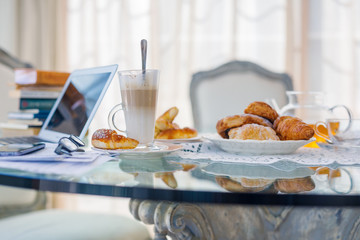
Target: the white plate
pixel 256 147
pixel 158 151
pixel 181 140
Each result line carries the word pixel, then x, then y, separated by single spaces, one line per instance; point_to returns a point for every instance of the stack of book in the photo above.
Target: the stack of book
pixel 37 92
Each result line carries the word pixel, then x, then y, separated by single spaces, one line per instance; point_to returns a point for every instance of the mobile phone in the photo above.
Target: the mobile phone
pixel 18 149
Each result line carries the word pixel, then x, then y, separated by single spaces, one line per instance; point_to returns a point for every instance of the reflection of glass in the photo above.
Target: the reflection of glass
pixel 339 180
pixel 77 103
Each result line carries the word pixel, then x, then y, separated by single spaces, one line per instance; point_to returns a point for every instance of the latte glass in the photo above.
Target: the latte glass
pixel 139 91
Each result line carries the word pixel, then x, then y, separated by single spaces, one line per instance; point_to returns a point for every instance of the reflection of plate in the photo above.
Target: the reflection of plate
pixel 157 151
pixel 255 147
pixel 182 140
pixel 255 172
pixel 148 166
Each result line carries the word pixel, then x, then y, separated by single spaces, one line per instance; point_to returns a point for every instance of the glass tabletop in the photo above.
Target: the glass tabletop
pixel 208 182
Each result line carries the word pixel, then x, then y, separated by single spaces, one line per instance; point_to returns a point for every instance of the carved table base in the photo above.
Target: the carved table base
pixel 210 221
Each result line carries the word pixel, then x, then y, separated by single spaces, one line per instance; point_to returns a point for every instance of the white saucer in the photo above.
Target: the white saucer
pixel 179 140
pixel 157 151
pixel 256 147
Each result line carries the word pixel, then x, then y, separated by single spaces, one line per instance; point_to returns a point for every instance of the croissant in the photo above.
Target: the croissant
pixel 109 139
pixel 165 121
pixel 263 110
pixel 177 133
pixel 292 128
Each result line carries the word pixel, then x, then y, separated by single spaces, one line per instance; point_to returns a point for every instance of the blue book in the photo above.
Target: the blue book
pixel 35 103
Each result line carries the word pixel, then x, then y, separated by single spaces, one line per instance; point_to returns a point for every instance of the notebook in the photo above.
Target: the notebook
pixel 75 107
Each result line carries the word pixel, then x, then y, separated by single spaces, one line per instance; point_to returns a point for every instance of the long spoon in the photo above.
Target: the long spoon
pixel 143 45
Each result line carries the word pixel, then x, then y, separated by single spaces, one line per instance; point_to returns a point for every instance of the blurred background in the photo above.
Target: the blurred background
pixel 317 42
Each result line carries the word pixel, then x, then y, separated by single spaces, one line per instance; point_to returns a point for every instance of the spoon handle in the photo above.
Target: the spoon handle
pixel 143 44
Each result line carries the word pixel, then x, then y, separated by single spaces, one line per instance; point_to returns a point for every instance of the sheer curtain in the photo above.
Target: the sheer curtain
pixel 41 33
pixel 323 50
pixel 316 42
pixel 184 36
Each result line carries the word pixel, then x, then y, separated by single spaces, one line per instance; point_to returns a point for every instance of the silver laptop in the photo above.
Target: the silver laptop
pixel 75 107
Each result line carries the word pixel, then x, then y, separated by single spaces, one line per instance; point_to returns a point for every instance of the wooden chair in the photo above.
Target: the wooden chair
pixel 229 88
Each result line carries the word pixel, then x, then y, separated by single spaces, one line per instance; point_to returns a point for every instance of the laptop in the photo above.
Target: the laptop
pixel 75 107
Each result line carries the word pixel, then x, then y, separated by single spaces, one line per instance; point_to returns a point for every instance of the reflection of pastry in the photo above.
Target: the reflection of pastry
pixel 233 185
pixel 292 128
pixel 187 166
pixel 109 139
pixel 168 178
pixel 177 133
pixel 225 124
pixel 294 185
pixel 259 182
pixel 263 110
pixel 253 131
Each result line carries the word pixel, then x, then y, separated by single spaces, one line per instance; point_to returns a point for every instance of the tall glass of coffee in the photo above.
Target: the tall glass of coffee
pixel 139 91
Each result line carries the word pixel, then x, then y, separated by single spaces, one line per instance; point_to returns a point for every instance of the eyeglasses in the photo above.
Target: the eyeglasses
pixel 69 144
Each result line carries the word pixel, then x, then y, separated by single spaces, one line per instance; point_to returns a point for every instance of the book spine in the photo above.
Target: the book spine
pixel 51 78
pixel 39 94
pixel 33 103
pixel 34 94
pixel 18 126
pixel 28 116
pixel 39 77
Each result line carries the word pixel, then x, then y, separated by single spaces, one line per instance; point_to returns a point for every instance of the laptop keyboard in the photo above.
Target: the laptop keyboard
pixel 12 140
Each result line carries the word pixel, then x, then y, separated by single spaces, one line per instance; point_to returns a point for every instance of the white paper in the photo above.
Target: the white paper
pixel 46 161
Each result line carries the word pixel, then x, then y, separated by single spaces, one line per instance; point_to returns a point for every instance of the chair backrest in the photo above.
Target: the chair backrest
pixel 229 88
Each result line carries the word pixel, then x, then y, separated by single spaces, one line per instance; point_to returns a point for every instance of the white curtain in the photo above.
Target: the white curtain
pixel 41 33
pixel 184 36
pixel 316 41
pixel 323 49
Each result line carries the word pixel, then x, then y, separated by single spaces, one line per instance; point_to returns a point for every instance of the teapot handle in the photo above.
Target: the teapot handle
pixel 318 132
pixel 272 102
pixel 347 111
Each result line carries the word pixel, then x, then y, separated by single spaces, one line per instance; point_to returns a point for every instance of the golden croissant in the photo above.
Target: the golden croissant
pixel 292 128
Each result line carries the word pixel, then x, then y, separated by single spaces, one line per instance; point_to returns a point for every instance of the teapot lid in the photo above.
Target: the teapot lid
pixel 306 98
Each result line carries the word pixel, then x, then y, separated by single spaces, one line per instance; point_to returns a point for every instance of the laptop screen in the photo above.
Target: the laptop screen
pixel 77 103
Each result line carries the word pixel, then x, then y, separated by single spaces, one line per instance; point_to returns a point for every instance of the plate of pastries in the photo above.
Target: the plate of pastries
pixel 166 130
pixel 260 130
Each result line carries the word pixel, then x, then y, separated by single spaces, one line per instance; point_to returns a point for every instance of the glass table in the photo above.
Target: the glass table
pixel 220 200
